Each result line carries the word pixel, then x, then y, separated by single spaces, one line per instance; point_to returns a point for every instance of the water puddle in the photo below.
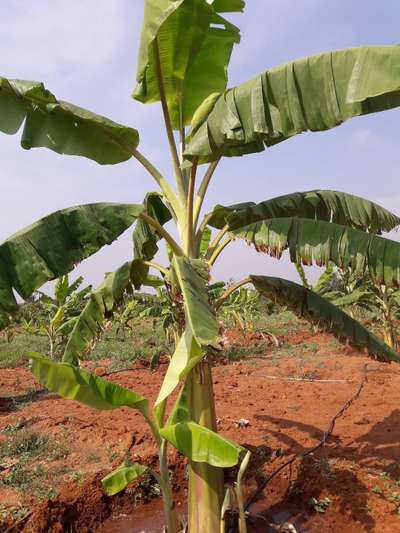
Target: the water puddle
pixel 149 518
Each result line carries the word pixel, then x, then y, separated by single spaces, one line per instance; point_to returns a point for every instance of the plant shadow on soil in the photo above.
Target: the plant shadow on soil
pixel 322 472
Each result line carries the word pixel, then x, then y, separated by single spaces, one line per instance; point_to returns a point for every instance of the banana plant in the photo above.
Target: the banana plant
pixel 183 61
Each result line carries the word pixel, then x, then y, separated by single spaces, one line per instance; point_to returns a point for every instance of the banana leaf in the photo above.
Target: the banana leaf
pixel 72 383
pixel 53 246
pixel 202 445
pixel 322 243
pixel 144 236
pixel 199 313
pixel 332 206
pixel 61 126
pixel 315 93
pixel 100 305
pixel 306 303
pixel 186 356
pixel 195 45
pixel 120 478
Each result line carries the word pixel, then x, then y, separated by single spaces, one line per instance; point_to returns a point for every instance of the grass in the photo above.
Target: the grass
pixel 145 341
pixel 28 448
pixel 24 442
pixel 13 354
pixel 28 443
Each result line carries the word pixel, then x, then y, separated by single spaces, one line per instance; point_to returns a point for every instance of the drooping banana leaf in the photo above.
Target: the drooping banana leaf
pixel 195 45
pixel 61 126
pixel 72 383
pixel 53 245
pixel 311 94
pixel 186 356
pixel 332 206
pixel 202 445
pixel 120 478
pixel 199 313
pixel 100 305
pixel 145 238
pixel 306 303
pixel 322 243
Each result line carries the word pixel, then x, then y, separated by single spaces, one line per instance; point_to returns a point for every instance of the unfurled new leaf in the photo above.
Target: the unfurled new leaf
pixel 61 126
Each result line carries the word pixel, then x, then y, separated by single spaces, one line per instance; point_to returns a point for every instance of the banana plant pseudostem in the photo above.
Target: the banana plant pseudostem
pixel 184 54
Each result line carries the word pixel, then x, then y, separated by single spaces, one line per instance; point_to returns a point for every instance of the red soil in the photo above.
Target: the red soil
pixel 357 469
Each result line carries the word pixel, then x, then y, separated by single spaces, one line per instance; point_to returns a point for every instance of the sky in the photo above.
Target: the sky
pixel 85 52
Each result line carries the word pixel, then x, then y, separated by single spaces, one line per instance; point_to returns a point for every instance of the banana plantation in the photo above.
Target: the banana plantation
pixel 167 398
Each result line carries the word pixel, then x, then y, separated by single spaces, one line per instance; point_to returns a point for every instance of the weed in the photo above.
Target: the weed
pixel 24 442
pixel 44 493
pixel 93 457
pixel 377 490
pixel 77 477
pixel 111 453
pixel 320 506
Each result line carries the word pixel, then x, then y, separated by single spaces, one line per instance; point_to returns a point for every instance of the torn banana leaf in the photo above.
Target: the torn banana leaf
pixel 306 303
pixel 315 93
pixel 331 206
pixel 323 243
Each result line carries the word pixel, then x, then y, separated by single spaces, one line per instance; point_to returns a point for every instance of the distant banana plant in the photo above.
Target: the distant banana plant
pixel 184 55
pixel 241 308
pixel 62 311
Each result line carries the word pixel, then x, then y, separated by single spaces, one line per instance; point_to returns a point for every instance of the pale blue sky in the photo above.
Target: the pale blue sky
pixel 85 52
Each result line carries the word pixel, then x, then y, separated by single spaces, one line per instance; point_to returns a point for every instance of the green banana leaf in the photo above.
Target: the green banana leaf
pixel 202 445
pixel 311 94
pixel 186 356
pixel 320 242
pixel 199 313
pixel 306 303
pixel 145 238
pixel 100 305
pixel 72 383
pixel 53 245
pixel 61 126
pixel 195 45
pixel 121 477
pixel 332 206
